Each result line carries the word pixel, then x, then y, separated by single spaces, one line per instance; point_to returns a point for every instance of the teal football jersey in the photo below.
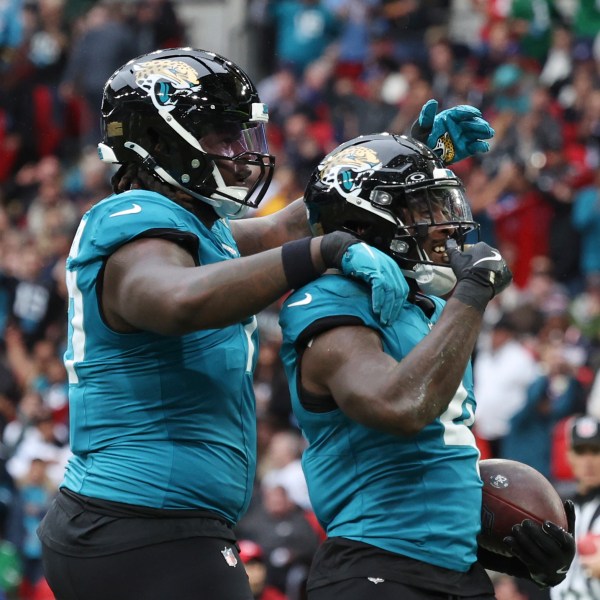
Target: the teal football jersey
pixel 419 496
pixel 157 421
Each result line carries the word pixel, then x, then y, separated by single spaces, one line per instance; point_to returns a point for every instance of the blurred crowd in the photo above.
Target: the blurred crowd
pixel 329 70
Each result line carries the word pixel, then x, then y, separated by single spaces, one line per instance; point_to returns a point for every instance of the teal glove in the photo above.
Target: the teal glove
pixel 453 134
pixel 356 259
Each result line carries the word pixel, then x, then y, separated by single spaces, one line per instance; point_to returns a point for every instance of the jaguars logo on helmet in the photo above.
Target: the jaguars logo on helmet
pixel 346 169
pixel 161 77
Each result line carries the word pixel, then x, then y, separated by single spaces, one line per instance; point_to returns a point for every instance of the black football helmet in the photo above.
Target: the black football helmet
pixel 390 190
pixel 189 117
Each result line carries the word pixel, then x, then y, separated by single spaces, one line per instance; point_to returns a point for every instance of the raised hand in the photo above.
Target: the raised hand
pixel 481 273
pixel 454 133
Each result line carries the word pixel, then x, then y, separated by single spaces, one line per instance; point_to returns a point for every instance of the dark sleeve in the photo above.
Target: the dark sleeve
pixel 325 324
pixel 188 241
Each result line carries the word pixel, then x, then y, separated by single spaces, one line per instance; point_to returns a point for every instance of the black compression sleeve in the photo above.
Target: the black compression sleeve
pixel 297 263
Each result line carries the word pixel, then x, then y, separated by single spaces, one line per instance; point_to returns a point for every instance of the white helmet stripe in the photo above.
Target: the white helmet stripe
pixel 144 154
pixel 180 129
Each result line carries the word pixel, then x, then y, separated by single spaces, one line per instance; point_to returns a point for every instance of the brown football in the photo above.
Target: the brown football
pixel 512 492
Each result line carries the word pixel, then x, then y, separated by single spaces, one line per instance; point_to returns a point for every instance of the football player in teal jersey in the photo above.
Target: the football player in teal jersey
pixel 387 410
pixel 163 285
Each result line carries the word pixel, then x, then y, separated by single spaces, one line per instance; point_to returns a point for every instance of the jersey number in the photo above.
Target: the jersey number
pixel 249 328
pixel 457 419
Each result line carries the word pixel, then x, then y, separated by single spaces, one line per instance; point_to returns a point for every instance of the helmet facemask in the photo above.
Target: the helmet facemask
pixel 227 165
pixel 427 218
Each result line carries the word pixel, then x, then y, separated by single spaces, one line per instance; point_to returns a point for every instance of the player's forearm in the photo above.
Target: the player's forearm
pixel 436 367
pixel 186 299
pixel 264 233
pixel 226 293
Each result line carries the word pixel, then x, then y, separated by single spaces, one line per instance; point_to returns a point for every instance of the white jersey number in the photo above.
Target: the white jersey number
pixel 457 419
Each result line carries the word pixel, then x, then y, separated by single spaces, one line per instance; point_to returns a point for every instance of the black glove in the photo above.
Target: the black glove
pixel 546 550
pixel 481 273
pixel 334 246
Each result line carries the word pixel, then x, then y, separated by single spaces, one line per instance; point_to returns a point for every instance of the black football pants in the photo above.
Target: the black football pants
pixel 362 588
pixel 190 569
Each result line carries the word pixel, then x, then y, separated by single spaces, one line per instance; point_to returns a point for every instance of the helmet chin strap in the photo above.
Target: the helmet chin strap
pixel 224 207
pixel 433 280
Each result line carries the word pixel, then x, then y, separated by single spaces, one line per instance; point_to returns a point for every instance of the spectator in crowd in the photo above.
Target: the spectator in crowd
pixel 254 561
pixel 281 91
pixel 28 407
pixel 155 24
pixel 555 394
pixel 51 209
pixel 282 466
pixel 586 220
pixel 304 30
pixel 45 440
pixel 496 47
pixel 387 411
pixel 558 65
pixel 503 371
pixel 355 113
pixel 356 21
pixel 11 571
pixel 406 23
pixel 586 24
pixel 106 43
pixel 583 579
pixel 34 494
pixel 88 181
pixel 37 303
pixel 284 189
pixel 8 285
pixel 11 28
pixel 593 405
pixel 520 217
pixel 301 148
pixel 542 293
pixel 31 81
pixel 558 180
pixel 584 313
pixel 286 534
pixel 532 25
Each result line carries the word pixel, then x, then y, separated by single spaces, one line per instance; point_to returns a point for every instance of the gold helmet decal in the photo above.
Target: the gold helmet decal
pixel 345 170
pixel 161 78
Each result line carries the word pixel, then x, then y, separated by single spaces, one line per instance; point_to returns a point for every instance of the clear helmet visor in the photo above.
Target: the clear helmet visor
pixel 230 139
pixel 444 205
pixel 242 164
